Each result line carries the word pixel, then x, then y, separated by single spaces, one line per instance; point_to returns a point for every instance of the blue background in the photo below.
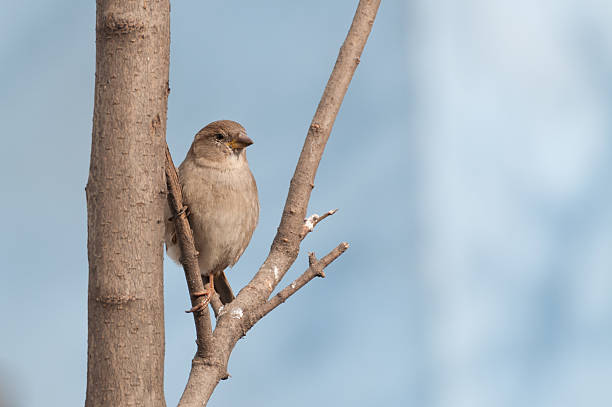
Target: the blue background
pixel 471 162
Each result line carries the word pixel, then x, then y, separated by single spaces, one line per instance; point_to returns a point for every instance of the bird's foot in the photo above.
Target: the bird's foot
pixel 207 294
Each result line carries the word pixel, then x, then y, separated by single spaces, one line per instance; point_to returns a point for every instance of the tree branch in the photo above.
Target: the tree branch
pixel 314 270
pixel 251 304
pixel 189 256
pixel 312 221
pixel 216 304
pixel 286 244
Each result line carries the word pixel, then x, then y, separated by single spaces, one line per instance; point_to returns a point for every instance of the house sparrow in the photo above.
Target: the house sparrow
pixel 221 196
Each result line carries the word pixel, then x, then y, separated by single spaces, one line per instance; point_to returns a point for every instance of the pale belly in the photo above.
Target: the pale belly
pixel 224 211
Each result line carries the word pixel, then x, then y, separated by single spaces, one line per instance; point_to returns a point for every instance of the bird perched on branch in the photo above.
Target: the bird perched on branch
pixel 220 193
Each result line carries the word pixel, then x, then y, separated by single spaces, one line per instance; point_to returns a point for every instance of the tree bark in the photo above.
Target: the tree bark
pixel 126 195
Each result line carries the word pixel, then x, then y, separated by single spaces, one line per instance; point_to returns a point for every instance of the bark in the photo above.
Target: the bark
pixel 189 256
pixel 126 194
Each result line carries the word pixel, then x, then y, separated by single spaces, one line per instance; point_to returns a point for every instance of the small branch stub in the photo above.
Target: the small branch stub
pixel 311 221
pixel 313 263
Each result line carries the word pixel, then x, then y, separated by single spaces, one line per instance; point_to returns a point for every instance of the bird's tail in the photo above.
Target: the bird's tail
pixel 222 287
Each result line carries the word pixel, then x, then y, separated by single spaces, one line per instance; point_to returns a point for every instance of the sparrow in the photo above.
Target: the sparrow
pixel 220 193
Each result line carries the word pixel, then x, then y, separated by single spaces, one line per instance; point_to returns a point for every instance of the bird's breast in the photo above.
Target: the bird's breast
pixel 223 212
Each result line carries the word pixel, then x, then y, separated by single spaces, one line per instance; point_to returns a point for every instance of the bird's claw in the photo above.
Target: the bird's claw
pixel 198 307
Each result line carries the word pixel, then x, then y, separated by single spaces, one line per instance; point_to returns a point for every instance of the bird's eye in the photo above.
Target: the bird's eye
pixel 219 137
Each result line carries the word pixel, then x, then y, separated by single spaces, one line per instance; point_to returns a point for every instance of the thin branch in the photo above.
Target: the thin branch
pixel 315 270
pixel 311 221
pixel 252 303
pixel 189 256
pixel 286 244
pixel 216 304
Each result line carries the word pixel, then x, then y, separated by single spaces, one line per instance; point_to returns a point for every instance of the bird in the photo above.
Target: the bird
pixel 220 193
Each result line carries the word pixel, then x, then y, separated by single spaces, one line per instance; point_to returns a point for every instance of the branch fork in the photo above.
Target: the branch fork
pixel 254 301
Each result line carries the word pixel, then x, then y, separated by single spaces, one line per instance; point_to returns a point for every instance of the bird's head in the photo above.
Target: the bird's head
pixel 219 141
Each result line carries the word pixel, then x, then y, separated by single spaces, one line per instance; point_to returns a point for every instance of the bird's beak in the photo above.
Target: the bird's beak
pixel 241 141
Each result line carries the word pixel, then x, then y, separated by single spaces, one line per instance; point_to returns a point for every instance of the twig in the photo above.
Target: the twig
pixel 314 270
pixel 311 221
pixel 189 256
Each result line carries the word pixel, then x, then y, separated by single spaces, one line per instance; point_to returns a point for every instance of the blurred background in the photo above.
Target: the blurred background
pixel 471 162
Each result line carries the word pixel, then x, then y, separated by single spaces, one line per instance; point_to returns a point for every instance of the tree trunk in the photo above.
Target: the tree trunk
pixel 125 204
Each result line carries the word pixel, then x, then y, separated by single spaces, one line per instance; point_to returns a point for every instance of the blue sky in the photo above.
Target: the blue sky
pixel 471 162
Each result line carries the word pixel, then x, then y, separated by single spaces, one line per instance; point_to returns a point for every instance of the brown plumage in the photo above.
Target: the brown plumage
pixel 221 195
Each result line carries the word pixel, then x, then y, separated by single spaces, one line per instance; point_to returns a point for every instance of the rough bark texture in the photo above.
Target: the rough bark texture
pixel 125 204
pixel 189 256
pixel 252 303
